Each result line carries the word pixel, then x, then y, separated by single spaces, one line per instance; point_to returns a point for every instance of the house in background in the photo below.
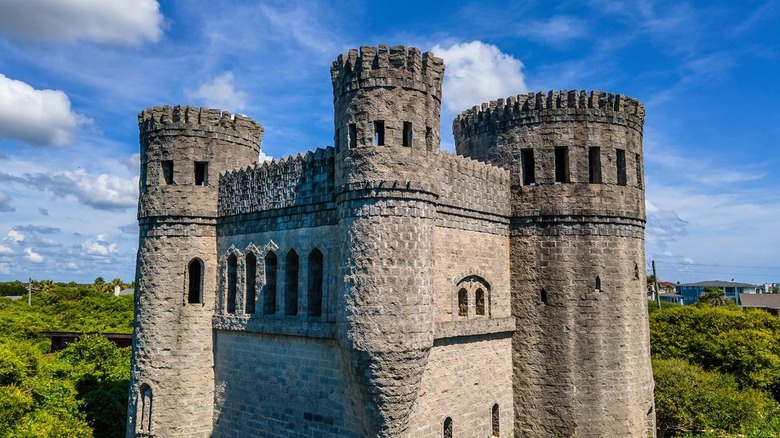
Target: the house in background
pixel 667 297
pixel 766 302
pixel 731 290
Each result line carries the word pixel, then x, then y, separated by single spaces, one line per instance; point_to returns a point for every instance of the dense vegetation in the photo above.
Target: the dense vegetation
pixel 80 391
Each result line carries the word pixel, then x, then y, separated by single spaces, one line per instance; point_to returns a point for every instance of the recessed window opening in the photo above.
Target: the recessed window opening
pixel 269 291
pixel 543 296
pixel 232 282
pixel 291 284
pixel 527 164
pixel 379 133
pixel 620 163
pixel 167 171
pixel 479 302
pixel 201 173
pixel 338 137
pixel 251 283
pixel 463 303
pixel 315 283
pixel 494 420
pixel 352 135
pixel 639 171
pixel 594 165
pixel 636 271
pixel 145 410
pixel 447 430
pixel 428 138
pixel 407 140
pixel 598 284
pixel 195 282
pixel 561 165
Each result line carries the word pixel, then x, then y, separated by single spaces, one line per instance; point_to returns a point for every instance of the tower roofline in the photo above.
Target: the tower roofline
pixel 181 118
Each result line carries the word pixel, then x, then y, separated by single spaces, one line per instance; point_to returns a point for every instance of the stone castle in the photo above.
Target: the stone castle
pixel 384 288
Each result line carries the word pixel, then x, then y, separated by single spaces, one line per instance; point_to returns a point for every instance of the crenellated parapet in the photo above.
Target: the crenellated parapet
pixel 470 185
pixel 189 118
pixel 554 106
pixel 397 66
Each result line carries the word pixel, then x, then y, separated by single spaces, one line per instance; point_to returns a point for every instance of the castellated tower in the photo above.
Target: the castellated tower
pixel 183 152
pixel 387 113
pixel 580 350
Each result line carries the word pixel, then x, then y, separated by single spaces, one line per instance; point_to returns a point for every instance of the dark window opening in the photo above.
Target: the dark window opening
pixel 561 165
pixel 251 282
pixel 407 140
pixel 315 283
pixel 428 138
pixel 291 284
pixel 639 171
pixel 201 173
pixel 447 432
pixel 620 163
pixel 167 171
pixel 636 271
pixel 232 282
pixel 269 292
pixel 338 138
pixel 527 163
pixel 379 133
pixel 598 283
pixel 195 282
pixel 594 165
pixel 494 420
pixel 352 136
pixel 463 303
pixel 479 302
pixel 145 410
pixel 543 296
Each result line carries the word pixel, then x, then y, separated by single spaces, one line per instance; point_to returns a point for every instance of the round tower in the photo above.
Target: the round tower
pixel 581 349
pixel 183 152
pixel 387 112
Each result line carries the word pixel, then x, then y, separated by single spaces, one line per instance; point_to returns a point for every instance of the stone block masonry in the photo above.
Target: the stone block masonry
pixel 384 288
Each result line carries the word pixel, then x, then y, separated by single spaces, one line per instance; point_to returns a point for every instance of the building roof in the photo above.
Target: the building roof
pixel 668 295
pixel 769 301
pixel 666 283
pixel 717 283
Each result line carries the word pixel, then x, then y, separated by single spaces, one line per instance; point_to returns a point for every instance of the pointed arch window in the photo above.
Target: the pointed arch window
pixel 269 291
pixel 144 410
pixel 598 284
pixel 291 284
pixel 232 282
pixel 494 420
pixel 195 281
pixel 447 429
pixel 251 282
pixel 479 302
pixel 315 283
pixel 463 303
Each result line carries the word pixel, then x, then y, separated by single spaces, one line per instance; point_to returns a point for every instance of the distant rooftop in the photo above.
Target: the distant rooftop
pixel 768 301
pixel 717 283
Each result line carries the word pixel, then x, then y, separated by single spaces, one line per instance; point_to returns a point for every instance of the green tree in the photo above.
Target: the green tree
pixel 713 296
pixel 100 285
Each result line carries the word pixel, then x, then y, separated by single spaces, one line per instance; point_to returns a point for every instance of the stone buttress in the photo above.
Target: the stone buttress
pixel 581 348
pixel 183 151
pixel 387 113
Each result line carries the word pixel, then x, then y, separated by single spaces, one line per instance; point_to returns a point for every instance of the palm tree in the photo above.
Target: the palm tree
pixel 713 296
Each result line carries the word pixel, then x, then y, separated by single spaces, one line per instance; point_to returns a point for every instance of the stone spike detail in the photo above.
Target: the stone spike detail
pixel 204 119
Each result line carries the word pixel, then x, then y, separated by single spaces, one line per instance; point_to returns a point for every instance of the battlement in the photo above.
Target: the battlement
pixel 469 184
pixel 559 106
pixel 397 67
pixel 204 119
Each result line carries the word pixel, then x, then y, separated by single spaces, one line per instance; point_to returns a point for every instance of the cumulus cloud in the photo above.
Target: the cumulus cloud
pixel 14 236
pixel 41 117
pixel 663 226
pixel 112 22
pixel 220 93
pixel 476 73
pixel 98 246
pixel 5 249
pixel 5 203
pixel 41 229
pixel 32 256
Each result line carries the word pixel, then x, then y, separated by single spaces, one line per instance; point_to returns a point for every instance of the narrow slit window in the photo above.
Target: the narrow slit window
pixel 338 137
pixel 201 173
pixel 598 284
pixel 167 171
pixel 447 429
pixel 232 282
pixel 527 163
pixel 291 284
pixel 428 138
pixel 495 420
pixel 479 302
pixel 315 283
pixel 561 164
pixel 251 283
pixel 352 135
pixel 463 303
pixel 269 291
pixel 594 165
pixel 407 140
pixel 639 171
pixel 379 133
pixel 636 271
pixel 145 410
pixel 543 296
pixel 620 163
pixel 195 282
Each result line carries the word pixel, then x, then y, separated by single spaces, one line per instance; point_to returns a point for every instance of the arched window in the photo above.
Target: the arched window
pixel 479 302
pixel 494 420
pixel 251 282
pixel 315 283
pixel 232 282
pixel 598 284
pixel 269 292
pixel 291 284
pixel 144 410
pixel 447 432
pixel 195 281
pixel 543 296
pixel 463 303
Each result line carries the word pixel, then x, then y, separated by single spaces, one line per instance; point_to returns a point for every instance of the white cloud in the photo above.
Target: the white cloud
pixel 14 236
pixel 41 117
pixel 264 157
pixel 477 73
pixel 103 192
pixel 113 22
pixel 558 30
pixel 5 250
pixel 99 246
pixel 5 203
pixel 220 93
pixel 32 256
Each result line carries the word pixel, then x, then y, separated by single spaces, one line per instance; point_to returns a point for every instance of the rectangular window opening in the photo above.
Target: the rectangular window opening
pixel 527 163
pixel 201 173
pixel 620 163
pixel 407 140
pixel 379 133
pixel 167 171
pixel 352 135
pixel 561 165
pixel 594 165
pixel 639 171
pixel 428 138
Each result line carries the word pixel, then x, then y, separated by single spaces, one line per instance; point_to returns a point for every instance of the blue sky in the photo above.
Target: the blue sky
pixel 74 75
